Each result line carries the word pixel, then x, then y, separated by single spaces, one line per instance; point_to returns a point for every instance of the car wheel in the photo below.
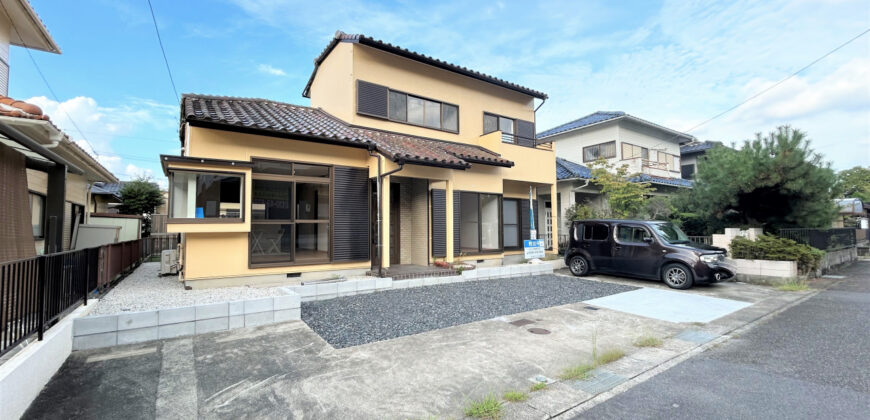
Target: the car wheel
pixel 677 276
pixel 578 265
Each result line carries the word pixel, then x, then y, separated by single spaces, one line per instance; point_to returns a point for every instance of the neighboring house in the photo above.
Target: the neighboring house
pixel 105 197
pixel 691 153
pixel 45 175
pixel 651 152
pixel 267 191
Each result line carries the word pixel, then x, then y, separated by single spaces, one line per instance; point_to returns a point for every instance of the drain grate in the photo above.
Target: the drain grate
pixel 521 322
pixel 539 331
pixel 598 382
pixel 695 336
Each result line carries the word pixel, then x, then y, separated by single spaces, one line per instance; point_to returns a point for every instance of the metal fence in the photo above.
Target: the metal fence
pixel 824 239
pixel 708 240
pixel 36 292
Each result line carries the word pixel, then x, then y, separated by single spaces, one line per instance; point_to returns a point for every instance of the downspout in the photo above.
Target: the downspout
pixel 380 184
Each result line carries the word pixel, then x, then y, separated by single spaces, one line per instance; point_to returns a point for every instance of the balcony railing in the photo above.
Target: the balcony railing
pixel 526 141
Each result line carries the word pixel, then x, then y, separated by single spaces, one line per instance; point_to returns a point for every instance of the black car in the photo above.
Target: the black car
pixel 647 249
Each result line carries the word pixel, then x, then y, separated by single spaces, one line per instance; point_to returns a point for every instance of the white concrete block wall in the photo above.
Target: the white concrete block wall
pixel 137 327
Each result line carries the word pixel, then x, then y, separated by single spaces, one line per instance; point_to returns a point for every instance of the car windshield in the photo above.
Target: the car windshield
pixel 670 233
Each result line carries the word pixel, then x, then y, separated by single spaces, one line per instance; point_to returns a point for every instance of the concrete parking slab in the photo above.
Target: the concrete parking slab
pixel 669 305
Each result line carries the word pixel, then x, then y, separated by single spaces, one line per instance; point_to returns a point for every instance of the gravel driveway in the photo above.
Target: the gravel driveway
pixel 354 320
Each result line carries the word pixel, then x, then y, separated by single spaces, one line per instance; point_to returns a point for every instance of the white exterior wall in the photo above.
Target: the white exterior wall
pixel 654 140
pixel 570 145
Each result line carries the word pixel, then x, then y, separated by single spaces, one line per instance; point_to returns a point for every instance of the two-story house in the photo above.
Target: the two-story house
pixel 46 177
pixel 401 160
pixel 691 154
pixel 650 151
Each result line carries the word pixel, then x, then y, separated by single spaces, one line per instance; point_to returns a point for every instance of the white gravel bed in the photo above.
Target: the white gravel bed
pixel 145 290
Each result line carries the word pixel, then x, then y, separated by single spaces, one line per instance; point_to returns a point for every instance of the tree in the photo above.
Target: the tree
pixel 625 198
pixel 581 211
pixel 141 197
pixel 772 182
pixel 658 208
pixel 855 183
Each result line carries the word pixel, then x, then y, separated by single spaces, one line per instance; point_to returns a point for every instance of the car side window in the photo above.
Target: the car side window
pixel 631 234
pixel 595 232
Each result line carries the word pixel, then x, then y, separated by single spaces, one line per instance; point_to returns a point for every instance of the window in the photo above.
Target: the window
pixel 631 234
pixel 630 151
pixel 595 232
pixel 480 222
pixel 687 171
pixel 511 222
pixel 199 195
pixel 290 213
pixel 507 126
pixel 37 214
pixel 423 112
pixel 603 150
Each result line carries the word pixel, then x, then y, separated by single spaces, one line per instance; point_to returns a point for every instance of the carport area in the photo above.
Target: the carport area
pixel 410 353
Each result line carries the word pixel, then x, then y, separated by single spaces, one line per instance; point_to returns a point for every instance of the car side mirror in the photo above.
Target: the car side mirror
pixel 647 239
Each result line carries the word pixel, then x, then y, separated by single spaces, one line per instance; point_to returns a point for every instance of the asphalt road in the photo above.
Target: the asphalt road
pixel 810 361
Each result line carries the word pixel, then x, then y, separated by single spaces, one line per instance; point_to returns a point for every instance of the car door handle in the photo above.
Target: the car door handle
pixel 617 247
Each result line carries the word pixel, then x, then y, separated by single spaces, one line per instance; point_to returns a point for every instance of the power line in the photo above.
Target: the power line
pixel 48 85
pixel 165 60
pixel 769 88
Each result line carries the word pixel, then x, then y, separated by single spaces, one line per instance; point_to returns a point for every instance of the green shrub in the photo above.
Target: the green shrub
pixel 773 248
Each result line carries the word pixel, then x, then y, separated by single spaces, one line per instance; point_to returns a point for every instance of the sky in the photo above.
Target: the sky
pixel 675 63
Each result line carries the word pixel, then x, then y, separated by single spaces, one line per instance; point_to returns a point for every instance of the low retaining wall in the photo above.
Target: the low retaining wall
pixel 835 259
pixel 329 290
pixel 136 327
pixel 766 272
pixel 24 375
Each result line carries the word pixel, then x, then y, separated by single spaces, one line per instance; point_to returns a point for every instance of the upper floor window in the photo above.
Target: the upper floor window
pixel 687 171
pixel 507 126
pixel 603 150
pixel 630 151
pixel 383 102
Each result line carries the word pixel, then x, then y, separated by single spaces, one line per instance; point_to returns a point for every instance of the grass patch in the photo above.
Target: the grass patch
pixel 577 372
pixel 608 356
pixel 515 396
pixel 794 286
pixel 648 341
pixel 540 386
pixel 487 408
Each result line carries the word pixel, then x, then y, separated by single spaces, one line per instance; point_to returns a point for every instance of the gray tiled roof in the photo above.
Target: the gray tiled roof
pixel 590 119
pixel 403 52
pixel 286 120
pixel 698 147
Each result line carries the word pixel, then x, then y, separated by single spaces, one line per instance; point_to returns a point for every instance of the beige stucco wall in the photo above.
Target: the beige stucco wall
pixel 334 90
pixel 130 227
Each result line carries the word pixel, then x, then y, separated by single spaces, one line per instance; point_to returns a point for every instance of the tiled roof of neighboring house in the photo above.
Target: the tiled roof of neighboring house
pixel 565 169
pixel 394 49
pixel 104 188
pixel 603 116
pixel 590 119
pixel 676 182
pixel 286 120
pixel 10 107
pixel 698 147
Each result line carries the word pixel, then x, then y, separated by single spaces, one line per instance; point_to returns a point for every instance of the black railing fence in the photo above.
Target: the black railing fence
pixel 824 239
pixel 36 292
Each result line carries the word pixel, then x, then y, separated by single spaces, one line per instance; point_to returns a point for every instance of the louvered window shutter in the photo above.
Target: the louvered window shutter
pixel 372 99
pixel 351 224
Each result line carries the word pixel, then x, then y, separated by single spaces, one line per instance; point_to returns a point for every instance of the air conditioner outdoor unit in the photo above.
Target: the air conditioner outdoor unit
pixel 169 262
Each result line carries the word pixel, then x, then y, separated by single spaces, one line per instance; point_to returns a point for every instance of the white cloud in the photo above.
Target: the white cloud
pixel 678 65
pixel 268 69
pixel 112 134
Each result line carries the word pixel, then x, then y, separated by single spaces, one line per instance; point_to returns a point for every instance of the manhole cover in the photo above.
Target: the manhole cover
pixel 538 331
pixel 521 322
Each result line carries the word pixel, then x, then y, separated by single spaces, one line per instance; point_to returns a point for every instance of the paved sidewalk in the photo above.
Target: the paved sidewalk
pixel 810 361
pixel 287 370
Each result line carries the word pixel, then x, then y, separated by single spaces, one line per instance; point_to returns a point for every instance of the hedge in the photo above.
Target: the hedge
pixel 773 248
